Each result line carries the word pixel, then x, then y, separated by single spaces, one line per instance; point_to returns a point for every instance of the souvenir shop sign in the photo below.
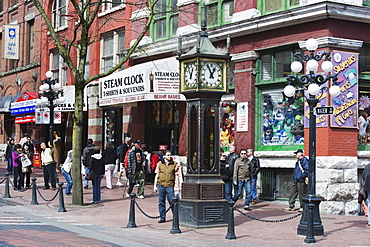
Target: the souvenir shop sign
pixel 242 117
pixel 346 104
pixel 22 107
pixel 152 81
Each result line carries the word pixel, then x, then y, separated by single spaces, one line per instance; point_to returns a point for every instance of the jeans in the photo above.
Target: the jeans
pixel 86 182
pixel 68 178
pixel 18 177
pixel 10 165
pixel 228 190
pixel 49 173
pixel 247 187
pixel 96 188
pixel 140 176
pixel 254 189
pixel 164 192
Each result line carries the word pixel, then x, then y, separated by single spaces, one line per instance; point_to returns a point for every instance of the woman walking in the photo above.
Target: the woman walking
pixel 96 165
pixel 18 181
pixel 27 163
pixel 110 157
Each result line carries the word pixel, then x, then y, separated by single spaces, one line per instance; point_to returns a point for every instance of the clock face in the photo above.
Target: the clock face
pixel 211 74
pixel 190 75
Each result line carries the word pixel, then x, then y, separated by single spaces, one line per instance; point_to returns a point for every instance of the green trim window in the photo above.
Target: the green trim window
pixel 166 19
pixel 366 2
pixel 271 6
pixel 364 57
pixel 219 12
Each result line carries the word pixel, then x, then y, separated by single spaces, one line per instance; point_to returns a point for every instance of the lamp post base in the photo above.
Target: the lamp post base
pixel 303 227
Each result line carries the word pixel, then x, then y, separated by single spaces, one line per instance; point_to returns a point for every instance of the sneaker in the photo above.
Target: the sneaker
pixel 127 195
pixel 119 183
pixel 368 223
pixel 289 209
pixel 86 187
pixel 300 210
pixel 136 185
pixel 140 197
pixel 161 221
pixel 247 208
pixel 253 202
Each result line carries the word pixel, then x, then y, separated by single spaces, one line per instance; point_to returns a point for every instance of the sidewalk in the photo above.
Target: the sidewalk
pixel 104 224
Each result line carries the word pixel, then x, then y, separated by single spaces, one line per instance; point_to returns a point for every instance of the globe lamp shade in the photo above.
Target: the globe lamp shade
pixel 289 91
pixel 334 90
pixel 311 44
pixel 327 66
pixel 313 89
pixel 296 66
pixel 312 65
pixel 49 74
pixel 44 100
pixel 39 101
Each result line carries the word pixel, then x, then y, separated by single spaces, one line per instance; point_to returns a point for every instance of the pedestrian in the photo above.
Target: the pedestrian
pixel 164 183
pixel 57 149
pixel 299 186
pixel 18 180
pixel 109 155
pixel 230 161
pixel 66 171
pixel 96 165
pixel 86 154
pixel 122 154
pixel 8 154
pixel 48 166
pixel 136 169
pixel 27 163
pixel 255 163
pixel 23 140
pixel 242 177
pixel 226 176
pixel 366 179
pixel 30 144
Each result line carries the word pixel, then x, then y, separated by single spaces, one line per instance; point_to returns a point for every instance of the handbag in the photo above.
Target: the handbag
pixel 25 162
pixel 90 175
pixel 306 178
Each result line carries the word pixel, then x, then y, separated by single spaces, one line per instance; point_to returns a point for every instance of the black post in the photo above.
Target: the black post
pixel 131 220
pixel 34 192
pixel 310 237
pixel 61 199
pixel 230 226
pixel 51 126
pixel 7 193
pixel 314 214
pixel 175 222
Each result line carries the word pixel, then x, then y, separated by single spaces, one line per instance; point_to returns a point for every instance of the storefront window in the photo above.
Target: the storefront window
pixel 282 118
pixel 363 116
pixel 165 112
pixel 227 125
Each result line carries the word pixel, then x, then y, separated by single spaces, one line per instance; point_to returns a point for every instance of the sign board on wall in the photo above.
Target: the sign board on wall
pixel 152 81
pixel 11 50
pixel 42 116
pixel 242 117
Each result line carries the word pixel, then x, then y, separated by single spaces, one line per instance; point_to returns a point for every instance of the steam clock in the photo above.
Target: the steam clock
pixel 203 76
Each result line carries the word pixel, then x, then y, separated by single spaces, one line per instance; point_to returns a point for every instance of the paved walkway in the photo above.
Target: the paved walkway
pixel 105 224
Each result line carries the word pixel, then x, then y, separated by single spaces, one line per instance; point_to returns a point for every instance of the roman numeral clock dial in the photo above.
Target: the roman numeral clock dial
pixel 211 75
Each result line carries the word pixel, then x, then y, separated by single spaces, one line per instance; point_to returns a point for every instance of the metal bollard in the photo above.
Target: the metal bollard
pixel 34 192
pixel 7 194
pixel 131 220
pixel 61 199
pixel 175 222
pixel 230 226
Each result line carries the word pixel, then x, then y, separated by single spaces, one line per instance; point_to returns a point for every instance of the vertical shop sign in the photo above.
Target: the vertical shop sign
pixel 11 42
pixel 346 103
pixel 242 117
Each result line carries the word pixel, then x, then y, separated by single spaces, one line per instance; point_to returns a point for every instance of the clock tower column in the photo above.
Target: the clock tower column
pixel 203 76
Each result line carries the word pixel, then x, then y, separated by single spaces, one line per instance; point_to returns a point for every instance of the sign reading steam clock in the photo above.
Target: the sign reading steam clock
pixel 203 72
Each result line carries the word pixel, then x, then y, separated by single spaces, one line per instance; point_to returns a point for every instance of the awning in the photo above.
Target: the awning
pixel 25 103
pixel 7 100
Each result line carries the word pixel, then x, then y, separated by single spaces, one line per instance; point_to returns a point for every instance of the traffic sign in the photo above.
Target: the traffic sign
pixel 324 110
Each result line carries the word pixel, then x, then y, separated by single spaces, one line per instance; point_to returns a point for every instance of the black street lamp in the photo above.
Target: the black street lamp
pixel 50 95
pixel 310 224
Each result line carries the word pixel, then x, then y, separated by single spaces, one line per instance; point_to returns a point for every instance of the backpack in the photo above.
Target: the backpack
pixel 88 155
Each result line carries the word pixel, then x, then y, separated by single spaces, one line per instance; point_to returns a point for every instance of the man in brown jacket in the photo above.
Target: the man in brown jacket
pixel 243 178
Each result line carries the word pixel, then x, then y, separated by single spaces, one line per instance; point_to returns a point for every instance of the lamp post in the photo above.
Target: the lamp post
pixel 310 224
pixel 52 95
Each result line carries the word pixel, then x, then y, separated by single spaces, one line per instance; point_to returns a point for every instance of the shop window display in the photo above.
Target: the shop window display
pixel 227 125
pixel 282 118
pixel 363 120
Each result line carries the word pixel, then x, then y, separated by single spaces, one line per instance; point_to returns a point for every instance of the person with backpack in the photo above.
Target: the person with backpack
pixel 86 154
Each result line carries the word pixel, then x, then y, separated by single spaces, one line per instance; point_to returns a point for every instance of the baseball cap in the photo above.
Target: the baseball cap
pixel 298 151
pixel 137 141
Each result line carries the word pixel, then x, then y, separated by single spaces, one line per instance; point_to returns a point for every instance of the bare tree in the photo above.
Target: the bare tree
pixel 84 14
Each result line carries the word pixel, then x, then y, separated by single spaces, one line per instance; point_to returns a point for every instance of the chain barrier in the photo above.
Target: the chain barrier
pixel 271 221
pixel 3 180
pixel 44 197
pixel 203 221
pixel 17 189
pixel 152 217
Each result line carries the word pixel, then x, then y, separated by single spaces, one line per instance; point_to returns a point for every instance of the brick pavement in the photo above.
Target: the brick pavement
pixel 105 224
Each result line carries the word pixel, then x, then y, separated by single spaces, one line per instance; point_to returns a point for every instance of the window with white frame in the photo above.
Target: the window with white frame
pixel 30 42
pixel 59 13
pixel 58 67
pixel 166 19
pixel 110 4
pixel 219 12
pixel 113 46
pixel 87 63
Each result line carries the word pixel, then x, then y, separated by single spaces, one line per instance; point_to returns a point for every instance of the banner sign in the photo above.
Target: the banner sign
pixel 151 81
pixel 11 50
pixel 242 116
pixel 22 107
pixel 346 104
pixel 25 119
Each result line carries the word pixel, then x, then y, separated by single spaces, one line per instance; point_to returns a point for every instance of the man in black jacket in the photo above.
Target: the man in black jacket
pixel 122 154
pixel 230 161
pixel 255 163
pixel 366 178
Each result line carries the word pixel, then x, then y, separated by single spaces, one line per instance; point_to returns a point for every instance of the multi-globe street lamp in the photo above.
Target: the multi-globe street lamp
pixel 50 95
pixel 312 81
